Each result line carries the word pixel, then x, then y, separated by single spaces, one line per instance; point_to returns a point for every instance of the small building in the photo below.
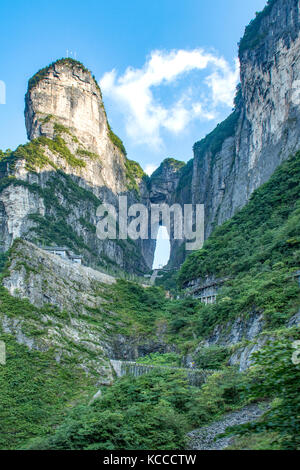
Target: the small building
pixel 205 290
pixel 77 259
pixel 64 253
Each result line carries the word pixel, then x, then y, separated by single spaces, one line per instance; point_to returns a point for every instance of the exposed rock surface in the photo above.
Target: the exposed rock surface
pixel 68 95
pixel 64 101
pixel 242 328
pixel 73 164
pixel 70 312
pixel 206 438
pixel 69 286
pixel 264 129
pixel 244 151
pixel 72 299
pixel 243 336
pixel 166 186
pixel 57 196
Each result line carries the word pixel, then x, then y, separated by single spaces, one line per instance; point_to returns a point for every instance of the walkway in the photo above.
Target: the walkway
pixel 196 377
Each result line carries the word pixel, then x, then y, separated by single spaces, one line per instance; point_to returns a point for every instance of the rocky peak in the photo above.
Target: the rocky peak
pixel 64 108
pixel 72 163
pixel 66 93
pixel 164 180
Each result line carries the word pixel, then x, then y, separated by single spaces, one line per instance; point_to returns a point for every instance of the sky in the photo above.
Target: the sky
pixel 162 249
pixel 167 68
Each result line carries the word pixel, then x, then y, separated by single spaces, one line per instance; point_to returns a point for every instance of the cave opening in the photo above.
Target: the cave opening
pixel 162 248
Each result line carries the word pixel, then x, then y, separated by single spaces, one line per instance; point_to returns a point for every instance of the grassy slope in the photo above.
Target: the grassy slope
pixel 36 392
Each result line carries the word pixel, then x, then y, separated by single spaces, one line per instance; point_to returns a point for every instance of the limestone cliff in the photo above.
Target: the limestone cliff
pixel 52 186
pixel 66 94
pixel 243 151
pixel 65 301
pixel 73 311
pixel 169 184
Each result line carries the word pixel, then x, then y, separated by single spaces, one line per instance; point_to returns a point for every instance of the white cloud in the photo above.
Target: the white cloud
pixel 150 168
pixel 146 116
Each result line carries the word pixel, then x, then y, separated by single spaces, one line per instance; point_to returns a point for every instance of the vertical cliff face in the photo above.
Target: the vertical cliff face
pixel 52 186
pixel 243 151
pixel 170 184
pixel 65 94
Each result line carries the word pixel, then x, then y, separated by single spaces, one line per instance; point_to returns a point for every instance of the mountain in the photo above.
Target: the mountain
pixel 62 323
pixel 264 127
pixel 52 186
pixel 74 160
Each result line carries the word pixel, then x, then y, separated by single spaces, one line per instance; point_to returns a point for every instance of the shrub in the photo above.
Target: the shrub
pixel 116 140
pixel 170 359
pixel 251 37
pixel 146 412
pixel 275 375
pixel 212 357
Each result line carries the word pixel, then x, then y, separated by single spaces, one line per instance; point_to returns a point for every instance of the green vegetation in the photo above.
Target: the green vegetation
pixel 46 119
pixel 170 359
pixel 262 441
pixel 142 311
pixel 153 411
pixel 35 391
pixel 258 251
pixel 86 153
pixel 3 261
pixel 52 230
pixel 34 154
pixel 139 308
pixel 185 180
pixel 116 140
pixel 134 172
pixel 276 376
pixel 176 164
pixel 34 151
pixel 251 37
pixel 213 142
pixel 59 146
pixel 168 281
pixel 170 162
pixel 256 254
pixel 53 227
pixel 41 74
pixel 213 357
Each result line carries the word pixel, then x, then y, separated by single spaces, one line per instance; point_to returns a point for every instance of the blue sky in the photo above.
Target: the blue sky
pixel 167 67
